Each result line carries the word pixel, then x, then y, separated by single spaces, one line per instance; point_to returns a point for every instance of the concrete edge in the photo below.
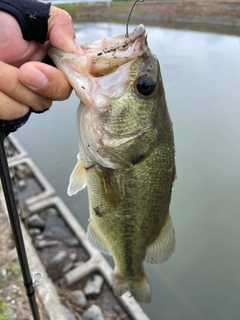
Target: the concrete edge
pixel 45 290
pixel 47 188
pixel 22 152
pixel 96 263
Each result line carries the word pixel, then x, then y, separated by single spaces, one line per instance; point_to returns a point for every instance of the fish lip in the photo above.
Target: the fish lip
pixel 138 32
pixel 122 42
pixel 119 47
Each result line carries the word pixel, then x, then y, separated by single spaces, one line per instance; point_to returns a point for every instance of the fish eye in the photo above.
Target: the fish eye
pixel 145 85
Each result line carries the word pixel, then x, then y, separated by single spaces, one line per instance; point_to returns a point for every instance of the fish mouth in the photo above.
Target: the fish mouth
pixel 103 56
pixel 109 45
pixel 106 55
pixel 100 69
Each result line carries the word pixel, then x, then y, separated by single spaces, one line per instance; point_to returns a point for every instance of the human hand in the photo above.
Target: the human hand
pixel 34 84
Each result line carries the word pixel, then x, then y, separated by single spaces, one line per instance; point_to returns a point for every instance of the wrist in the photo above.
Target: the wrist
pixel 32 17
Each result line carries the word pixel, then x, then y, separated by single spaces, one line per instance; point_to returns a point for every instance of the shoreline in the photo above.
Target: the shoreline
pixel 214 16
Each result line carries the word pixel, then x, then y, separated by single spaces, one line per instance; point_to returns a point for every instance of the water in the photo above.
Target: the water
pixel 201 73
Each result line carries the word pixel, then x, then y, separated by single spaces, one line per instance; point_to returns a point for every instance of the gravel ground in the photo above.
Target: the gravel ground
pixel 13 300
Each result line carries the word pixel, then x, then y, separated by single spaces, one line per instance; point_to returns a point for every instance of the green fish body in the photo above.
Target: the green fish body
pixel 127 157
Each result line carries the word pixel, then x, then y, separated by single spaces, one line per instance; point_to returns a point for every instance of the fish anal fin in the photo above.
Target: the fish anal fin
pixel 139 288
pixel 96 240
pixel 78 179
pixel 163 246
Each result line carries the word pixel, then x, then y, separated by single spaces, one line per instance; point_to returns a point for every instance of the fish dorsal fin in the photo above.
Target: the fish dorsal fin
pixel 78 178
pixel 96 241
pixel 163 246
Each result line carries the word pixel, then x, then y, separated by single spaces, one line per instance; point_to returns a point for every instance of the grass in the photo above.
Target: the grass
pixel 12 269
pixel 70 8
pixel 116 6
pixel 4 315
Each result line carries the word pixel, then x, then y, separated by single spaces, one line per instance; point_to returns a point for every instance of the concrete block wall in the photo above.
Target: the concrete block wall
pixel 96 262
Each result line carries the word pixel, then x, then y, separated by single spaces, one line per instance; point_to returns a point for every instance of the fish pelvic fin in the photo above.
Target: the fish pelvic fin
pixel 96 240
pixel 163 246
pixel 139 288
pixel 78 178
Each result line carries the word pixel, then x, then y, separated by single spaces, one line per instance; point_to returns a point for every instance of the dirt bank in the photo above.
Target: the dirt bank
pixel 13 299
pixel 207 15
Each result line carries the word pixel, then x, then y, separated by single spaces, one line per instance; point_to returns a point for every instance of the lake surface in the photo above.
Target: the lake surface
pixel 201 73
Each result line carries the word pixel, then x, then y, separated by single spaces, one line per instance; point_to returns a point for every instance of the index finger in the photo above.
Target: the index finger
pixel 61 33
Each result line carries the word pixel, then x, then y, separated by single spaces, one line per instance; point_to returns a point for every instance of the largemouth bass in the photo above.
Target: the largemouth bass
pixel 126 154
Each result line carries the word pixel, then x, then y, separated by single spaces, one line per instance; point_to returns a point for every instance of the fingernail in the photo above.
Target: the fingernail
pixel 34 78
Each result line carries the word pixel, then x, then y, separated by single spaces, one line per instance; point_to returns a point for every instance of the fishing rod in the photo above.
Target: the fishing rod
pixel 16 227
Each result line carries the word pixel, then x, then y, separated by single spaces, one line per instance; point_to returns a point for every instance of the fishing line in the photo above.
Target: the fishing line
pixel 129 15
pixel 16 227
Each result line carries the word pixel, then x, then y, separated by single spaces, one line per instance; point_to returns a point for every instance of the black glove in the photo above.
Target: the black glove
pixel 32 17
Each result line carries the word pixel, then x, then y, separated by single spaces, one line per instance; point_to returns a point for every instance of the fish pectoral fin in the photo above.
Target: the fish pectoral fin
pixel 96 241
pixel 78 179
pixel 163 246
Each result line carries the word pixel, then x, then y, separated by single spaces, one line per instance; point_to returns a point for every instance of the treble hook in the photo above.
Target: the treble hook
pixel 129 15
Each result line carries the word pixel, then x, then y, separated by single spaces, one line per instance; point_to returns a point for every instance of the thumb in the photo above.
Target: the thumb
pixel 60 30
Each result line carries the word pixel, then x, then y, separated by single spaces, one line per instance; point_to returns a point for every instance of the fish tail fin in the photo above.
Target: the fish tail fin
pixel 139 288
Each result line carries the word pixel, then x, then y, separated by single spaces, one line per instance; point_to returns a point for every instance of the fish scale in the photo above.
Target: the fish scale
pixel 127 156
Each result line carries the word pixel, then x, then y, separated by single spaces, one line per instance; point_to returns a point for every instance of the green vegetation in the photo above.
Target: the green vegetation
pixel 4 315
pixel 12 269
pixel 84 11
pixel 70 8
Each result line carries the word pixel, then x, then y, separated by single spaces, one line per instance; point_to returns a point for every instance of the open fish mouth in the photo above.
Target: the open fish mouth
pixel 103 56
pixel 100 69
pixel 109 45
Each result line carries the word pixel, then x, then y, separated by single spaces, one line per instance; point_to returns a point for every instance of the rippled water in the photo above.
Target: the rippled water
pixel 201 73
